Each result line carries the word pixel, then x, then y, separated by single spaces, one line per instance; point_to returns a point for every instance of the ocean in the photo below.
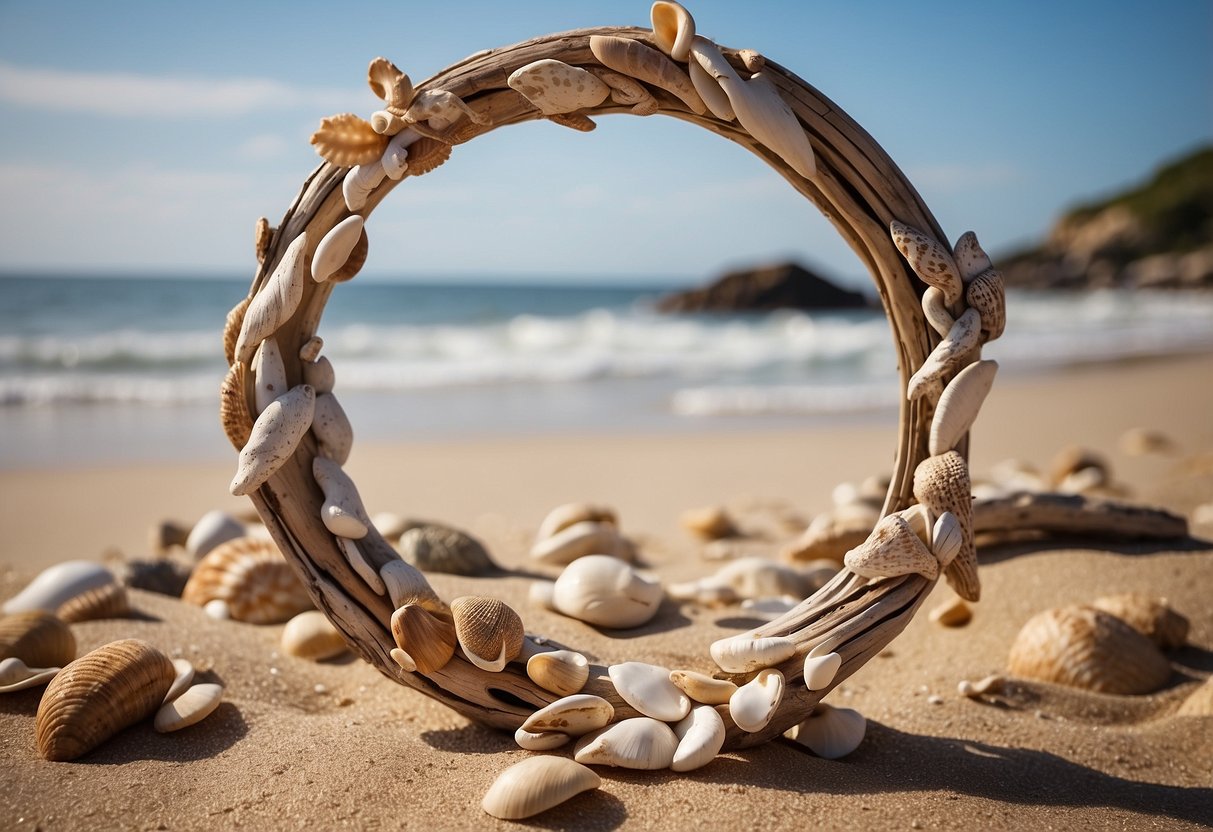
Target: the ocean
pixel 99 370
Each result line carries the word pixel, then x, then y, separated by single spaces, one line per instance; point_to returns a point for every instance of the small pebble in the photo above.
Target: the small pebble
pixel 318 688
pixel 935 699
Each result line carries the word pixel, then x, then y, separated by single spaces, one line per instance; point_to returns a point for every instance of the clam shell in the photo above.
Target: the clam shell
pixel 1152 617
pixel 714 97
pixel 581 539
pixel 16 675
pixel 332 429
pixel 428 637
pixel 543 741
pixel 269 374
pixel 648 689
pixel 819 671
pixel 892 550
pixel 38 638
pixel 941 483
pixel 703 688
pixel 232 326
pixel 109 601
pixel 1087 648
pixel 700 736
pixel 389 83
pixel 554 87
pixel 274 438
pixel 234 413
pixel 830 732
pixel 753 704
pixel 710 523
pixel 959 405
pixel 948 354
pixel 191 707
pixel 336 246
pixel 646 64
pixel 59 584
pixel 563 516
pixel 211 530
pixel 640 743
pixel 756 577
pixel 98 695
pixel 987 295
pixel 970 257
pixel 185 675
pixel 535 785
pixel 342 512
pixel 275 302
pixel 249 575
pixel 573 715
pixel 673 29
pixel 489 631
pixel 432 547
pixel 744 654
pixel 310 635
pixel 346 140
pixel 606 592
pixel 929 259
pixel 561 671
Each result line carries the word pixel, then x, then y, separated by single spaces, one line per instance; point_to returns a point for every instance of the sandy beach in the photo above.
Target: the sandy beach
pixel 335 745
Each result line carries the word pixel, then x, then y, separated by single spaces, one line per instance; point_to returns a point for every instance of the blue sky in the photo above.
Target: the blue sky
pixel 147 137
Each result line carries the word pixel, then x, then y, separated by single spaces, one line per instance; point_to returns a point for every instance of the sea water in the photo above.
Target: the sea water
pixel 104 369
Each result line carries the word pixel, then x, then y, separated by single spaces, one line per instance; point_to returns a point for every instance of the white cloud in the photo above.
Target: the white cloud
pixel 122 94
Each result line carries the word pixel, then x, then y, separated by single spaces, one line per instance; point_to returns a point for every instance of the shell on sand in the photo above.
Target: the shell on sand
pixel 1152 617
pixel 587 537
pixel 432 547
pixel 109 601
pixel 535 785
pixel 310 635
pixel 38 638
pixel 700 736
pixel 191 707
pixel 830 732
pixel 563 516
pixel 708 523
pixel 640 743
pixel 251 577
pixel 561 671
pixel 58 585
pixel 489 631
pixel 648 689
pixel 606 592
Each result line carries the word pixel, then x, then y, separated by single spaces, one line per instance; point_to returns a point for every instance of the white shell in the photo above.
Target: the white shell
pixel 700 737
pixel 606 592
pixel 342 512
pixel 403 659
pixel 830 732
pixel 535 785
pixel 331 427
pixel 555 87
pixel 580 539
pixel 361 565
pixel 212 529
pixel 935 308
pixel 185 675
pixel 58 584
pixel 395 158
pixel 635 59
pixel 541 741
pixel 573 715
pixel 742 654
pixel 274 437
pixel 710 91
pixel 217 609
pixel 193 706
pixel 406 585
pixel 310 635
pixel 542 593
pixel 673 29
pixel 648 689
pixel 310 351
pixel 563 672
pixel 971 259
pixel 819 671
pixel 947 538
pixel 335 248
pixel 568 514
pixel 320 375
pixel 960 340
pixel 703 688
pixel 640 743
pixel 16 675
pixel 959 405
pixel 755 702
pixel 275 302
pixel 269 374
pixel 359 182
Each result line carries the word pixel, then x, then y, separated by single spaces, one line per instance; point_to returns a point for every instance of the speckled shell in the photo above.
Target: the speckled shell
pixel 535 785
pixel 489 631
pixel 987 295
pixel 970 257
pixel 929 259
pixel 555 87
pixel 98 695
pixel 428 637
pixel 432 547
pixel 250 575
pixel 1150 616
pixel 892 550
pixel 109 601
pixel 941 483
pixel 1083 647
pixel 38 638
pixel 347 140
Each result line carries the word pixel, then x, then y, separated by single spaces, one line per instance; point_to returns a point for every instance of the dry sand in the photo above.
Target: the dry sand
pixel 335 745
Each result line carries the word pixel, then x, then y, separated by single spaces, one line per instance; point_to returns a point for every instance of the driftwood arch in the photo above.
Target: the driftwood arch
pixel 931 296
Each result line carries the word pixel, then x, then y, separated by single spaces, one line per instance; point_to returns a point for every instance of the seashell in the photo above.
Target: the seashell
pixel 703 688
pixel 432 547
pixel 832 534
pixel 992 684
pixel 1087 648
pixel 768 609
pixel 757 577
pixel 263 235
pixel 274 438
pixel 970 258
pixel 959 405
pixel 390 84
pixel 181 681
pixel 359 182
pixel 743 654
pixel 639 743
pixel 1074 459
pixel 574 121
pixel 574 715
pixel 358 561
pixel 892 550
pixel 929 259
pixel 405 585
pixel 387 123
pixel 169 534
pixel 711 523
pixel 310 351
pixel 561 671
pixel 633 58
pixel 250 576
pixel 346 140
pixel 830 732
pixel 164 577
pixel 700 736
pixel 952 613
pixel 555 87
pixel 673 29
pixel 269 374
pixel 438 110
pixel 1199 701
pixel 714 97
pixel 16 675
pixel 606 592
pixel 395 159
pixel 232 326
pixel 213 529
pixel 581 539
pixel 535 785
pixel 191 707
pixel 705 591
pixel 310 635
pixel 489 631
pixel 57 585
pixel 234 413
pixel 332 429
pixel 947 355
pixel 936 311
pixel 427 636
pixel 403 659
pixel 941 483
pixel 918 518
pixel 319 375
pixel 275 302
pixel 542 594
pixel 544 741
pixel 1150 616
pixel 947 539
pixel 109 601
pixel 627 91
pixel 569 514
pixel 38 638
pixel 426 155
pixel 98 695
pixel 648 689
pixel 987 294
pixel 342 512
pixel 753 704
pixel 820 670
pixel 217 609
pixel 336 247
pixel 760 109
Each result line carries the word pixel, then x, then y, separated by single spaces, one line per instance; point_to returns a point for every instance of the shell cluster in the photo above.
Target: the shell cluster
pixel 74 590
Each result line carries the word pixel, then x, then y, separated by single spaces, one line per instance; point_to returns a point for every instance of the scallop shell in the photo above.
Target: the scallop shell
pixel 274 437
pixel 892 550
pixel 535 785
pixel 109 601
pixel 606 592
pixel 640 743
pixel 830 732
pixel 703 688
pixel 310 635
pixel 554 87
pixel 700 736
pixel 98 695
pixel 959 405
pixel 191 707
pixel 673 29
pixel 633 58
pixel 38 638
pixel 390 84
pixel 489 631
pixel 709 523
pixel 573 715
pixel 563 516
pixel 428 637
pixel 426 155
pixel 744 654
pixel 263 235
pixel 232 327
pixel 648 689
pixel 250 576
pixel 274 303
pixel 563 672
pixel 336 247
pixel 1152 617
pixel 948 354
pixel 941 483
pixel 432 547
pixel 234 413
pixel 1087 648
pixel 987 294
pixel 929 259
pixel 581 539
pixel 970 257
pixel 58 585
pixel 346 140
pixel 753 704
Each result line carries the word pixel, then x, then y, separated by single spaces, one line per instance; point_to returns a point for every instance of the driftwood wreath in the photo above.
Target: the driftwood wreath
pixel 278 407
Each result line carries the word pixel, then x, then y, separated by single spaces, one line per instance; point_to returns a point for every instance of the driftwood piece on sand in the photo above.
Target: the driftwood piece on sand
pixel 1073 514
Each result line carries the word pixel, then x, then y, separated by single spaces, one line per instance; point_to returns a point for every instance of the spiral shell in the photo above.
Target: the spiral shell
pixel 98 695
pixel 1152 617
pixel 38 638
pixel 489 631
pixel 250 576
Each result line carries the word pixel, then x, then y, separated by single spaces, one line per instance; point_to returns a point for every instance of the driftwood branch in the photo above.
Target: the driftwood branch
pixel 1074 515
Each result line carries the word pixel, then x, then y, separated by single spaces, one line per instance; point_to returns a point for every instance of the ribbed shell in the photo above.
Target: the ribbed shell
pixel 231 328
pixel 109 601
pixel 37 638
pixel 234 413
pixel 1152 617
pixel 250 575
pixel 428 638
pixel 347 140
pixel 941 483
pixel 987 295
pixel 484 626
pixel 98 695
pixel 1087 648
